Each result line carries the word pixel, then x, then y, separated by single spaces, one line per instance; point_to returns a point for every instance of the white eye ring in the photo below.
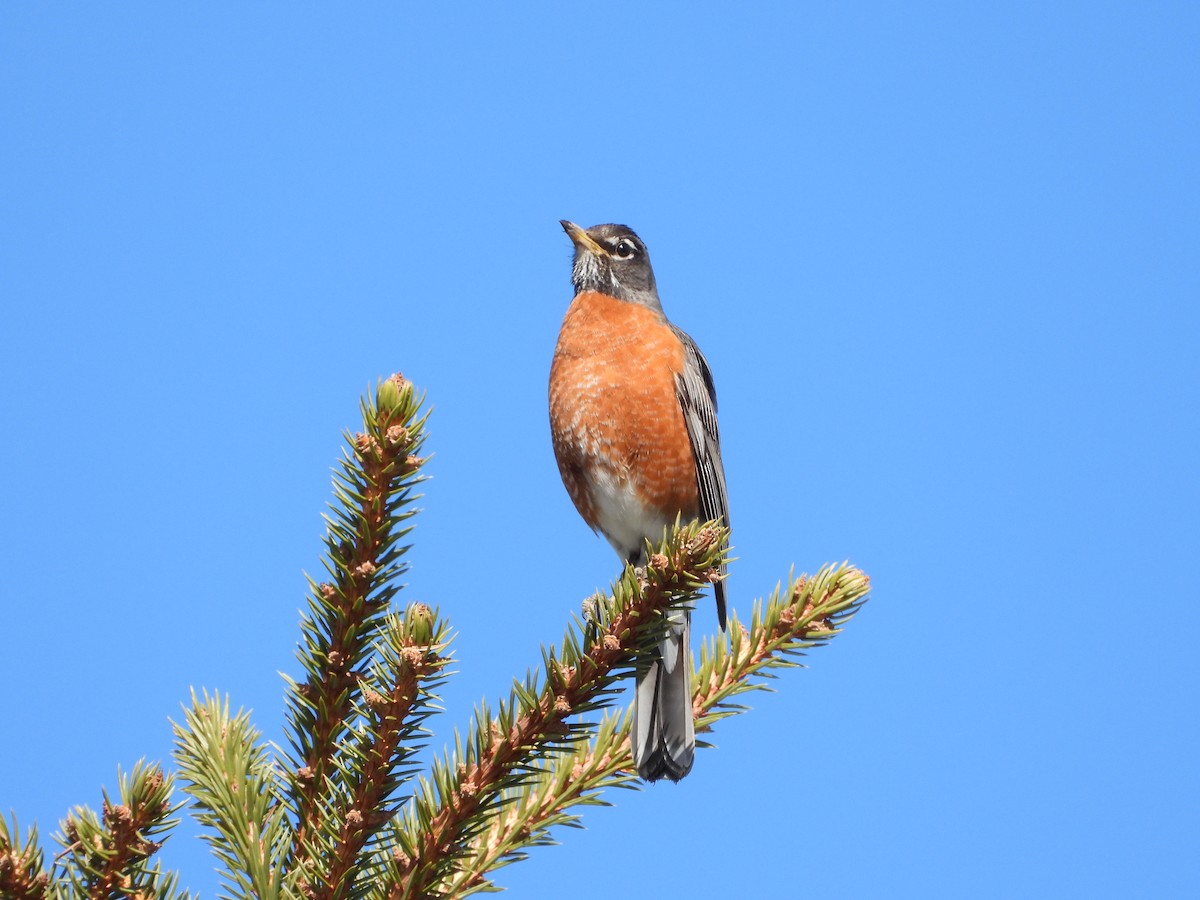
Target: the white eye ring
pixel 625 249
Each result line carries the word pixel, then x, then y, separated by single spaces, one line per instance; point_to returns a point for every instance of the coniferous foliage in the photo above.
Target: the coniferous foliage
pixel 344 810
pixel 106 855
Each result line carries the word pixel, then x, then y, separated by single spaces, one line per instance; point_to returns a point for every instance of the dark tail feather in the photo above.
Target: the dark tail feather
pixel 663 733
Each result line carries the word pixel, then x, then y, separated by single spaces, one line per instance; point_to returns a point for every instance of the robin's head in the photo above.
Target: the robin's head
pixel 612 260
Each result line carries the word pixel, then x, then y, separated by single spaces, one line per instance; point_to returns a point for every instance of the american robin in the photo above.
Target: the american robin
pixel 633 415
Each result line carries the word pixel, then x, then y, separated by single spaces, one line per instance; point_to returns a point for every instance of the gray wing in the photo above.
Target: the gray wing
pixel 698 400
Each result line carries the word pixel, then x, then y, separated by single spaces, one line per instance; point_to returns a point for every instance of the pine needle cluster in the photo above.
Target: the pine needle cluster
pixel 344 811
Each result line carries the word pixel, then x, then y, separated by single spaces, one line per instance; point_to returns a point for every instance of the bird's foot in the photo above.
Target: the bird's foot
pixel 593 615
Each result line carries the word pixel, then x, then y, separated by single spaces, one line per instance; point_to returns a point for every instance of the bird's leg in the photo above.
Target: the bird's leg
pixel 639 566
pixel 593 615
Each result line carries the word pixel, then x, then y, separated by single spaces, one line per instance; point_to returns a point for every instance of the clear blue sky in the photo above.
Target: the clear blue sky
pixel 942 259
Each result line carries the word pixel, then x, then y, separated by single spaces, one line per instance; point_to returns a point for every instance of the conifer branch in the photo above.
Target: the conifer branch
pixel 238 792
pixel 807 614
pixel 533 809
pixel 22 876
pixel 107 856
pixel 538 722
pixel 373 484
pixel 396 700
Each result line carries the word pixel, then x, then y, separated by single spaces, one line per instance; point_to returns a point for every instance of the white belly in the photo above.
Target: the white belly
pixel 622 519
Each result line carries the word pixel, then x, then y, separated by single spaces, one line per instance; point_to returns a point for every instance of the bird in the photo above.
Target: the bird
pixel 633 419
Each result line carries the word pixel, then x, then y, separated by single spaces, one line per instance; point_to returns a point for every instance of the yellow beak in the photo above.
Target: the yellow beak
pixel 580 238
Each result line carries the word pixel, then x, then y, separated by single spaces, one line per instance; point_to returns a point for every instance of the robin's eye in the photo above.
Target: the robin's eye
pixel 624 249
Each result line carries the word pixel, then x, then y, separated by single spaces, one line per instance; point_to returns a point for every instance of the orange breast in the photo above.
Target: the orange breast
pixel 613 407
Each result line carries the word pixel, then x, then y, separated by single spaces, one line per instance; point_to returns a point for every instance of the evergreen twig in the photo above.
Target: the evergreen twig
pixel 807 614
pixel 107 856
pixel 22 876
pixel 410 669
pixel 238 792
pixel 355 721
pixel 539 720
